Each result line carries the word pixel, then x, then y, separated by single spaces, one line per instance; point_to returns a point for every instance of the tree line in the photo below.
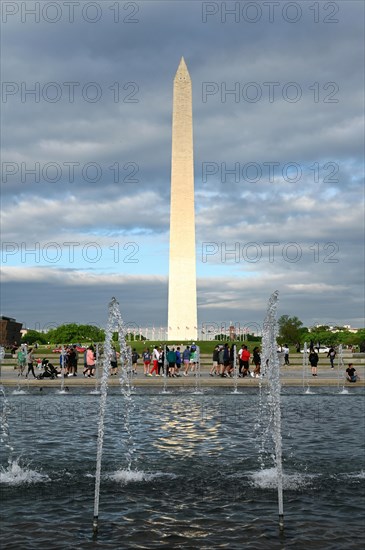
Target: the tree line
pixel 290 329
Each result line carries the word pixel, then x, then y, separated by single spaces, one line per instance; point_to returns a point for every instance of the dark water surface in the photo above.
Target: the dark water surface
pixel 184 471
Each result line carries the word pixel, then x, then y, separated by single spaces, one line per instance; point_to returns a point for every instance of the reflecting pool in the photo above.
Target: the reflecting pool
pixel 181 470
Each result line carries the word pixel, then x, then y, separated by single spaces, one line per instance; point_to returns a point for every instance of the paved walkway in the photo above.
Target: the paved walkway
pixel 290 376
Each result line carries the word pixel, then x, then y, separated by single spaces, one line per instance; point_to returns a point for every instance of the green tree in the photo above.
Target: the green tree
pixel 356 338
pixel 290 329
pixel 33 336
pixel 253 338
pixel 329 338
pixel 72 333
pixel 325 337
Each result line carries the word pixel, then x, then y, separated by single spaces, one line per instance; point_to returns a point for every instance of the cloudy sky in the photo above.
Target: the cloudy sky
pixel 278 143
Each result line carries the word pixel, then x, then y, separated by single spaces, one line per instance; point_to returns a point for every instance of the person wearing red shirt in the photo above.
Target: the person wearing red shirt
pixel 245 359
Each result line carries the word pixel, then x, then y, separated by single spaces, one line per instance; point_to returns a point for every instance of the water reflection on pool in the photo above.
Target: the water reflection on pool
pixel 197 471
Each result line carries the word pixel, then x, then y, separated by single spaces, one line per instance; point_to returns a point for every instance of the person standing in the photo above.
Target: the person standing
pixel 214 370
pixel 135 357
pixel 240 362
pixel 85 364
pixel 76 360
pixel 63 361
pixel 146 356
pixel 113 362
pixel 22 359
pixel 245 356
pixel 90 361
pixel 30 359
pixel 221 361
pixel 257 361
pixel 161 361
pixel 313 361
pixel 71 359
pixel 193 357
pixel 155 358
pixel 178 361
pixel 286 354
pixel 226 361
pixel 332 354
pixel 186 360
pixel 171 359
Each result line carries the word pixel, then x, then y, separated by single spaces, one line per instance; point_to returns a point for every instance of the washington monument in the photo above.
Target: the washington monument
pixel 182 308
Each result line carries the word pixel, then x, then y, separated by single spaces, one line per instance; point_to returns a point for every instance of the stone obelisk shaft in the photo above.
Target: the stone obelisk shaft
pixel 182 304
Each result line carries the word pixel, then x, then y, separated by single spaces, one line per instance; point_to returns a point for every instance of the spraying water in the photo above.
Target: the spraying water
pixel 198 389
pixel 115 322
pixel 62 390
pixel 305 370
pixel 2 355
pixel 235 372
pixel 112 321
pixel 165 369
pixel 272 371
pixel 304 366
pixel 126 388
pixel 125 358
pixel 5 433
pixel 96 390
pixel 340 369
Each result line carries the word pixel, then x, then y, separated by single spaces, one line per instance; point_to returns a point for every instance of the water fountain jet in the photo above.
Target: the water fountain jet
pixel 308 391
pixel 197 373
pixel 2 355
pixel 5 433
pixel 272 371
pixel 235 371
pixel 165 369
pixel 115 322
pixel 340 369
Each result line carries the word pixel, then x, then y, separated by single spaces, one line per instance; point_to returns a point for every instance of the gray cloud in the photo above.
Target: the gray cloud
pixel 323 138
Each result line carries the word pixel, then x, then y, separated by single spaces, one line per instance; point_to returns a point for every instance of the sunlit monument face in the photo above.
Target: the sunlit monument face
pixel 182 305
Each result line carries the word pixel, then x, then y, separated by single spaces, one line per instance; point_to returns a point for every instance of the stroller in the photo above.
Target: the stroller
pixel 49 371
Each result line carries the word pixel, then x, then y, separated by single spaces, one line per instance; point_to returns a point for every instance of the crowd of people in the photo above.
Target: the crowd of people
pixel 68 362
pixel 175 361
pixel 172 362
pixel 224 361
